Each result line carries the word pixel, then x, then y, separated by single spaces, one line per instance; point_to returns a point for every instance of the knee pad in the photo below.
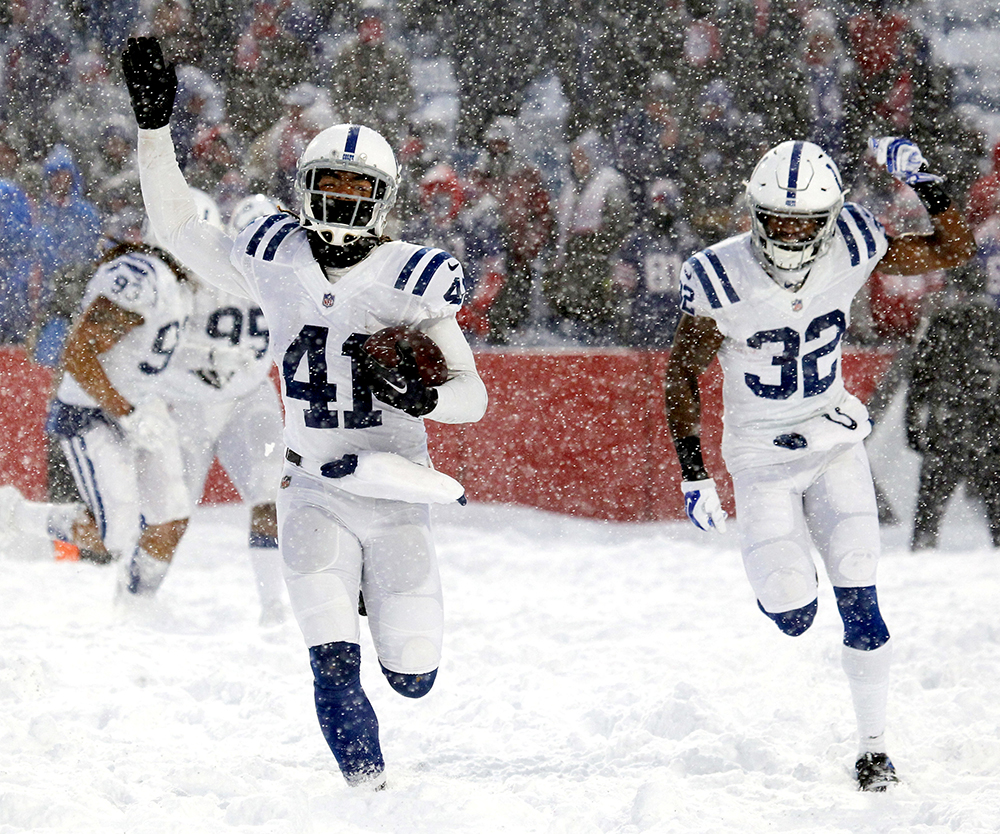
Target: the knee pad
pixel 864 627
pixel 795 622
pixel 410 686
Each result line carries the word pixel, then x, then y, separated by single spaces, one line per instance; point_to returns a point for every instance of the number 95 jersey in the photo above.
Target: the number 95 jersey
pixel 317 328
pixel 783 389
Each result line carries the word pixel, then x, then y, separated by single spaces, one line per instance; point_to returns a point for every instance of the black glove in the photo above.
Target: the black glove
pixel 152 83
pixel 401 387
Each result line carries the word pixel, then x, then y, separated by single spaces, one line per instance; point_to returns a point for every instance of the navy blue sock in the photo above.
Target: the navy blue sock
pixel 345 715
pixel 864 627
pixel 263 540
pixel 412 686
pixel 795 622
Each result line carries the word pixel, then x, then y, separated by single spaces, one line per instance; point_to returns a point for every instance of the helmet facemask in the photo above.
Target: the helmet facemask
pixel 340 218
pixel 798 252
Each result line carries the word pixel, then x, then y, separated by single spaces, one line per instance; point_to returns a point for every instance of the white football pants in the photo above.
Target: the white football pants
pixel 334 543
pixel 823 498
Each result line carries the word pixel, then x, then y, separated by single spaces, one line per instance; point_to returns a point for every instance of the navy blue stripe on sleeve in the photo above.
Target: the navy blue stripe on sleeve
pixel 275 241
pixel 411 265
pixel 866 233
pixel 852 246
pixel 706 282
pixel 258 236
pixel 720 271
pixel 425 277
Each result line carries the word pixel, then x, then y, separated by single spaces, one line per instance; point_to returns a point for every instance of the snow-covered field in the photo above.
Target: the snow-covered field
pixel 597 678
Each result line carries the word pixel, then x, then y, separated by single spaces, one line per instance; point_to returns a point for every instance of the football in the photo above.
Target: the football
pixel 381 346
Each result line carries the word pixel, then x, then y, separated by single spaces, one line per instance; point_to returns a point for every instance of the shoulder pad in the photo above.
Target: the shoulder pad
pixel 861 232
pixel 262 238
pixel 433 275
pixel 705 283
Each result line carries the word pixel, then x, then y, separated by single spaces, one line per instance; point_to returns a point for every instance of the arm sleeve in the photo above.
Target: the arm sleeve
pixel 463 398
pixel 201 247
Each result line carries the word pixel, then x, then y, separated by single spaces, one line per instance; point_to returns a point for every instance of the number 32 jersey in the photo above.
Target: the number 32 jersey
pixel 317 328
pixel 783 389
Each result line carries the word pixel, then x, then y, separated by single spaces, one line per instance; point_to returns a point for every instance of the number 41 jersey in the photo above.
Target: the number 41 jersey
pixel 317 329
pixel 783 390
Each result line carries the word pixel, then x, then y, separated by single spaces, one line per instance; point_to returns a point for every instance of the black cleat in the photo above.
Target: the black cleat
pixel 874 772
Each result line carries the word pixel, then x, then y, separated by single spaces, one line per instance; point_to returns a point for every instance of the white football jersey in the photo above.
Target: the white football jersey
pixel 140 283
pixel 317 329
pixel 781 358
pixel 223 352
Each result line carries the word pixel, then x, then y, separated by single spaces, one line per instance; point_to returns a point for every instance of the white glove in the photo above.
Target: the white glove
pixel 702 505
pixel 149 427
pixel 902 159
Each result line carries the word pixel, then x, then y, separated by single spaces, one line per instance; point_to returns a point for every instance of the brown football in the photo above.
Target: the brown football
pixel 381 346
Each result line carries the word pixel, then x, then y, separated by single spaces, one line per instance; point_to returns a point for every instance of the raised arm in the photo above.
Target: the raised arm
pixel 173 217
pixel 951 243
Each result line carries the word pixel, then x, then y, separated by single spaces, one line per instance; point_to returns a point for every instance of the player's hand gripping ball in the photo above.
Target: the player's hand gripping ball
pixel 403 368
pixel 388 346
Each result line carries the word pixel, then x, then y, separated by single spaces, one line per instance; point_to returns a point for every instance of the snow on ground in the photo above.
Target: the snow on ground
pixel 597 678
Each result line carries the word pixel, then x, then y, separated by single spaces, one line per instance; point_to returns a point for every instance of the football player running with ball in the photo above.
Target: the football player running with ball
pixel 353 507
pixel 774 305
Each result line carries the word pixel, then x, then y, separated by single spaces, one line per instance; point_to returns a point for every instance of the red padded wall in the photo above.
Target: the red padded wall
pixel 577 432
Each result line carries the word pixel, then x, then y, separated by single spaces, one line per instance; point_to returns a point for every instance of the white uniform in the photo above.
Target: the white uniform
pixel 331 539
pixel 124 487
pixel 221 393
pixel 792 433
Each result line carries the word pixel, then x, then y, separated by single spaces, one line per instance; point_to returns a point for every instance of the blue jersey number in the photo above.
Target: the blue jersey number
pixel 318 391
pixel 228 323
pixel 163 347
pixel 789 360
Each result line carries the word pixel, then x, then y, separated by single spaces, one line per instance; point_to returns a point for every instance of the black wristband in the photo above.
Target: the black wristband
pixel 933 196
pixel 689 456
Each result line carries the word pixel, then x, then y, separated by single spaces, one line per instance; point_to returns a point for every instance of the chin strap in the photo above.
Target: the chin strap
pixel 340 257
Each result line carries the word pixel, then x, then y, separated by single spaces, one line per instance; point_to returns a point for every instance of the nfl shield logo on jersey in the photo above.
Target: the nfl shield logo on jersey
pixel 328 299
pixel 796 305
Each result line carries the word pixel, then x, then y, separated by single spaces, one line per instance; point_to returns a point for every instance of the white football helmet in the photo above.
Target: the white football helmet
pixel 205 206
pixel 247 209
pixel 794 180
pixel 340 219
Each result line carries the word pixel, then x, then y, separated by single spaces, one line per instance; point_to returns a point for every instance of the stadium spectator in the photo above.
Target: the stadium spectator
pixel 984 196
pixel 371 78
pixel 271 56
pixel 112 177
pixel 647 142
pixel 650 267
pixel 17 261
pixel 89 103
pixel 37 51
pixel 952 407
pixel 716 141
pixel 525 220
pixel 824 69
pixel 594 215
pixel 199 107
pixel 69 228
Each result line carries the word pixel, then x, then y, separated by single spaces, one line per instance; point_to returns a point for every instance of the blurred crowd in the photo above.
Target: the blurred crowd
pixel 568 236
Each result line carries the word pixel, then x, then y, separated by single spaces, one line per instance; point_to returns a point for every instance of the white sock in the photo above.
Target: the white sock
pixel 868 675
pixel 267 570
pixel 145 573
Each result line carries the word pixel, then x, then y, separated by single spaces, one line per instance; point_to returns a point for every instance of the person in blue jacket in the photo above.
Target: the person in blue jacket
pixel 16 263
